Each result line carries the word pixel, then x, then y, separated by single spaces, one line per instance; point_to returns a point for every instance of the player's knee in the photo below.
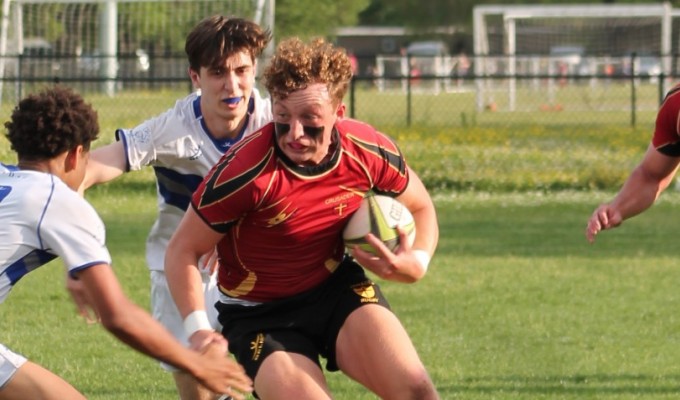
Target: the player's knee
pixel 416 385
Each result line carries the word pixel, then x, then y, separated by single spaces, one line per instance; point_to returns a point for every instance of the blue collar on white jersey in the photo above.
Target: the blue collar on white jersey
pixel 222 144
pixel 10 167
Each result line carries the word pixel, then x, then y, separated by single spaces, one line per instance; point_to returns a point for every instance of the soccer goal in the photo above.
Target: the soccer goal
pixel 551 47
pixel 106 40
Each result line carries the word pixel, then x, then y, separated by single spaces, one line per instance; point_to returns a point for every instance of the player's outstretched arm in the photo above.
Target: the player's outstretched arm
pixel 135 327
pixel 644 185
pixel 105 164
pixel 80 297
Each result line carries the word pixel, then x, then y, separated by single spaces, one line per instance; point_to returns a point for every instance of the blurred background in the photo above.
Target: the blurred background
pixel 436 63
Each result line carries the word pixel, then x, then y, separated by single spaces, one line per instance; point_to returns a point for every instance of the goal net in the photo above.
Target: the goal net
pixel 527 54
pixel 105 45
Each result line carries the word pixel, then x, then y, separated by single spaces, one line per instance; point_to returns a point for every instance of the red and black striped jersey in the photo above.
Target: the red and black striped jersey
pixel 283 222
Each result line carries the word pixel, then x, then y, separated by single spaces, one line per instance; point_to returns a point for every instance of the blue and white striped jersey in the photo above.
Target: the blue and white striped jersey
pixel 178 145
pixel 42 219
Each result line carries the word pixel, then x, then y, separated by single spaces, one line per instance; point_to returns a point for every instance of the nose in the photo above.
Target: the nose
pixel 296 129
pixel 230 81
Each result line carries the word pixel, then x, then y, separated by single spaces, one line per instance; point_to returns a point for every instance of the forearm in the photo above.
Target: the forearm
pixel 184 281
pixel 137 329
pixel 427 230
pixel 638 193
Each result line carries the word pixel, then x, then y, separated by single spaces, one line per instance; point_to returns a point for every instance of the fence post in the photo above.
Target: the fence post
pixel 408 91
pixel 633 90
pixel 352 96
pixel 662 84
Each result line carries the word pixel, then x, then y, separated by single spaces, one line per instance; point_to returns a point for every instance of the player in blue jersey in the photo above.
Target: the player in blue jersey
pixel 43 217
pixel 182 145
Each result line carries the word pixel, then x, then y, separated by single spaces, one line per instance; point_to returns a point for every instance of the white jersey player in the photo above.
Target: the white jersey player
pixel 43 217
pixel 182 145
pixel 181 150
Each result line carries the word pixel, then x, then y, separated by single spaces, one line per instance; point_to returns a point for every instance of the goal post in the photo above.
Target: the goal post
pixel 107 40
pixel 543 40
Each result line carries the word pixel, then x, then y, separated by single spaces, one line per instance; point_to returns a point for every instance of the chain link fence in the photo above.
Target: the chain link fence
pixel 401 96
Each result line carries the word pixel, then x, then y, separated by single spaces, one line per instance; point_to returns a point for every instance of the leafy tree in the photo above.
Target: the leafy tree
pixel 305 19
pixel 420 15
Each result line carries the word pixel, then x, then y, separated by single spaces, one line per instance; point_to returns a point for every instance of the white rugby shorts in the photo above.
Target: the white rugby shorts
pixel 165 311
pixel 10 362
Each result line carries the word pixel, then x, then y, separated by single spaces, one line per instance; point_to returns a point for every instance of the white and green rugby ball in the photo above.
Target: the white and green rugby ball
pixel 379 215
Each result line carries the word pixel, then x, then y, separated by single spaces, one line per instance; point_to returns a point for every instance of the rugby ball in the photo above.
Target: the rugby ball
pixel 379 215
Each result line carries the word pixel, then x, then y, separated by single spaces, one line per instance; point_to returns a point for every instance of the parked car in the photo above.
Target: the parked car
pixel 642 64
pixel 427 49
pixel 423 56
pixel 570 60
pixel 35 59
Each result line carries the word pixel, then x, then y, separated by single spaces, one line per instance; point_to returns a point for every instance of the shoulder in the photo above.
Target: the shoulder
pixel 250 151
pixel 173 124
pixel 240 172
pixel 71 204
pixel 365 136
pixel 666 137
pixel 261 112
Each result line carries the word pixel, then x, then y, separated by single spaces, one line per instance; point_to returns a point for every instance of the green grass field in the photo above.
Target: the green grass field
pixel 517 305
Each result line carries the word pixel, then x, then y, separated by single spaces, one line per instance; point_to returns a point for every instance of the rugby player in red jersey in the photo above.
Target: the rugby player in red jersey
pixel 275 207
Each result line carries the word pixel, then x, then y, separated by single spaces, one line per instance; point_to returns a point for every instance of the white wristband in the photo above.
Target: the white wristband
pixel 196 321
pixel 423 258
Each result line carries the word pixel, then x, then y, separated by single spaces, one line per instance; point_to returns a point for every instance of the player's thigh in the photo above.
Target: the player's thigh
pixel 374 348
pixel 285 375
pixel 31 381
pixel 10 362
pixel 212 295
pixel 164 309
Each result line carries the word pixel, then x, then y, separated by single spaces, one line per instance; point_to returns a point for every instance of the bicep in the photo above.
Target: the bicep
pixel 658 166
pixel 194 235
pixel 415 196
pixel 103 288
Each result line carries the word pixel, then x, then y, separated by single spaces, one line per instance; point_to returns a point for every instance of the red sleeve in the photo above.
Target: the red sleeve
pixel 378 154
pixel 666 136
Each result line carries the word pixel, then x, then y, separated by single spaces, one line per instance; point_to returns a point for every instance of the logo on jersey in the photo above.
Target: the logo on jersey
pixel 256 346
pixel 197 154
pixel 282 216
pixel 366 291
pixel 4 191
pixel 141 135
pixel 342 199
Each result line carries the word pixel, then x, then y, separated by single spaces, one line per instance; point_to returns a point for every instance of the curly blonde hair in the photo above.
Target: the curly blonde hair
pixel 297 64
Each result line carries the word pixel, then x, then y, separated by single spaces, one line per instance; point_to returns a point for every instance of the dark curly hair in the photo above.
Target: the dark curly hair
pixel 217 37
pixel 48 123
pixel 297 64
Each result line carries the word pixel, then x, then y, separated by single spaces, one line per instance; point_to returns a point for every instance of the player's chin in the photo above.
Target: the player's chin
pixel 297 155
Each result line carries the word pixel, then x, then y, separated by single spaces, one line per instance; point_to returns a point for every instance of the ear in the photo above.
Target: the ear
pixel 73 157
pixel 340 112
pixel 195 78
